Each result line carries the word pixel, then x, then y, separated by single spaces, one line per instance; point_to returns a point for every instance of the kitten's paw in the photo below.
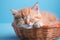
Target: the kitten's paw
pixel 38 24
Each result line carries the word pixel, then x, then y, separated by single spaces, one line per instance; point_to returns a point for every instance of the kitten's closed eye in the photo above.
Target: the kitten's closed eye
pixel 17 17
pixel 21 19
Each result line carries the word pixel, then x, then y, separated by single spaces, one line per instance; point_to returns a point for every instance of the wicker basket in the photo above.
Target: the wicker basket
pixel 43 33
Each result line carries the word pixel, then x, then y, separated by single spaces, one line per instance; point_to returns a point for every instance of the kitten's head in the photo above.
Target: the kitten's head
pixel 25 16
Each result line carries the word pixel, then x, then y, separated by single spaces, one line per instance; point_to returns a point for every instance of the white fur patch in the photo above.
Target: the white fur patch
pixel 37 25
pixel 26 26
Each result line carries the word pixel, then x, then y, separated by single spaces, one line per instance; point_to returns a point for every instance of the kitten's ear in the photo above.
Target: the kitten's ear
pixel 35 7
pixel 14 12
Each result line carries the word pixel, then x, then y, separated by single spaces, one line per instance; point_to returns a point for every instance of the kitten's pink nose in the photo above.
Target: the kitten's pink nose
pixel 27 23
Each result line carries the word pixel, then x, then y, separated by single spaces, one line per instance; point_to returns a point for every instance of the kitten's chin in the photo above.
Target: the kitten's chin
pixel 27 26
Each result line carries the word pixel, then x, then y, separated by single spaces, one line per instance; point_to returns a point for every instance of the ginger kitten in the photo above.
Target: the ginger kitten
pixel 29 17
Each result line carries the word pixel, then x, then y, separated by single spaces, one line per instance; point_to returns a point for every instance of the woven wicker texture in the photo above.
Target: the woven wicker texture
pixel 49 33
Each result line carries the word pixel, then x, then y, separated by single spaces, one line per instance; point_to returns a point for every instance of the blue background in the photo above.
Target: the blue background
pixel 6 17
pixel 45 5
